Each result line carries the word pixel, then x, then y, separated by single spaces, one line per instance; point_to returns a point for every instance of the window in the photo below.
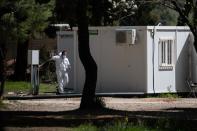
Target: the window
pixel 166 49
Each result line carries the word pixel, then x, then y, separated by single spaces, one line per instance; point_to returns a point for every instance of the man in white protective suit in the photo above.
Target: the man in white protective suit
pixel 62 65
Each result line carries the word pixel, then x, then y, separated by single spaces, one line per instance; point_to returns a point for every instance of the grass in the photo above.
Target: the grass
pixel 90 127
pixel 164 95
pixel 1 104
pixel 168 95
pixel 86 127
pixel 47 88
pixel 22 86
pixel 118 127
pixel 16 86
pixel 121 126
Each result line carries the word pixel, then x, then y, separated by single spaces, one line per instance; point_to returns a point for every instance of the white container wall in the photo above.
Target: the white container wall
pixel 193 61
pixel 132 60
pixel 170 78
pixel 65 40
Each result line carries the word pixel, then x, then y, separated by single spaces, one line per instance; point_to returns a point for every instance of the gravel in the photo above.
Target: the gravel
pixel 127 104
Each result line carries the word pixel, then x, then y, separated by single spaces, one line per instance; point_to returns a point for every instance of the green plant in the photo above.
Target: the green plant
pixel 169 125
pixel 160 125
pixel 168 95
pixel 118 126
pixel 86 127
pixel 127 126
pixel 1 102
pixel 2 105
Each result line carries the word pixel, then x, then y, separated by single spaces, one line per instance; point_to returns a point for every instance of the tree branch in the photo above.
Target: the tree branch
pixel 183 16
pixel 168 6
pixel 181 13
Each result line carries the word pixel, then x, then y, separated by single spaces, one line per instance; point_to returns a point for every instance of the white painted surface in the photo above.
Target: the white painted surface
pixel 65 40
pixel 125 68
pixel 182 61
pixel 164 79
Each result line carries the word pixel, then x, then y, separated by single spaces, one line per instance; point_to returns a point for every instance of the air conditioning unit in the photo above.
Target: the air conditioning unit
pixel 126 37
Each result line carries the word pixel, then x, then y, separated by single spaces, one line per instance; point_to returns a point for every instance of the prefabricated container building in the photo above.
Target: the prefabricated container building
pixel 133 59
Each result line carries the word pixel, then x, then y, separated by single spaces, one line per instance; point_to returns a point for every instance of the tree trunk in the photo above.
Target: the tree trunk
pixel 97 12
pixel 2 68
pixel 88 96
pixel 21 61
pixel 195 41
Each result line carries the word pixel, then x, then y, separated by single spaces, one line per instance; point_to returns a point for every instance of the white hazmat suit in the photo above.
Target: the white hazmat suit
pixel 62 65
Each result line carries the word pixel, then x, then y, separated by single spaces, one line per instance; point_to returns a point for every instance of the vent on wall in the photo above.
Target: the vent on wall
pixel 125 37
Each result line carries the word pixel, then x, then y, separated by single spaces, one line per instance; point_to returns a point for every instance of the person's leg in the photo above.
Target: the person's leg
pixel 66 79
pixel 60 82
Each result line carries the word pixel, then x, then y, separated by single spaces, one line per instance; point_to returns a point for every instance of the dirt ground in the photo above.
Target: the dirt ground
pixel 60 114
pixel 125 104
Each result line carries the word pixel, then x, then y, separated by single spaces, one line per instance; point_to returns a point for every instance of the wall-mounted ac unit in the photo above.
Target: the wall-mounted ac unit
pixel 125 37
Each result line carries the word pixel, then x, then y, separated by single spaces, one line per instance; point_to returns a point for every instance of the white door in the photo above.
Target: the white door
pixel 164 61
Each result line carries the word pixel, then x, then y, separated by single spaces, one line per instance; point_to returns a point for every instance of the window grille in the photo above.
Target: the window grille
pixel 166 49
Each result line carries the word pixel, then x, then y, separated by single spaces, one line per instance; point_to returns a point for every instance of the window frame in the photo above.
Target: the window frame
pixel 166 53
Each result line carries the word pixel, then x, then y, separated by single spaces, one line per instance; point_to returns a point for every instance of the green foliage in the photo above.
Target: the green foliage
pixel 187 10
pixel 140 13
pixel 170 125
pixel 36 18
pixel 117 126
pixel 159 125
pixel 163 123
pixel 165 15
pixel 65 12
pixel 2 105
pixel 125 126
pixel 25 18
pixel 168 95
pixel 31 18
pixel 1 102
pixel 86 127
pixel 117 12
pixel 6 20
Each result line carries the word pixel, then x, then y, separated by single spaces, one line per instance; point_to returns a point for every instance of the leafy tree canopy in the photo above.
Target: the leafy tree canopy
pixel 134 12
pixel 26 18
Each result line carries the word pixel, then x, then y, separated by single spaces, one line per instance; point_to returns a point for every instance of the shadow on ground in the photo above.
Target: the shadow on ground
pixel 185 118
